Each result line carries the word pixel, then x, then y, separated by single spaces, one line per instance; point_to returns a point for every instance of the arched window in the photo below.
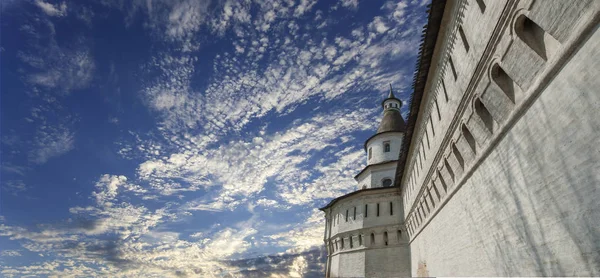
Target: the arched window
pixel 385 238
pixel 372 239
pixel 386 182
pixel 386 146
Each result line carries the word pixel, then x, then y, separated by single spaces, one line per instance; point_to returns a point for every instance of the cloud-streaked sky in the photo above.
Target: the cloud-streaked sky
pixel 188 138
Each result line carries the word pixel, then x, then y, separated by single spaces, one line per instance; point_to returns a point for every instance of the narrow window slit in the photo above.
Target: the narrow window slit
pixel 452 68
pixel 463 37
pixel 445 91
pixel 437 107
pixel 481 5
pixel 427 137
pixel 385 238
pixel 432 127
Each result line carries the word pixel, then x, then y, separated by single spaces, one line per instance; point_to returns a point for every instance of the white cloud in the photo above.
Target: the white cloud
pixel 186 18
pixel 10 253
pixel 350 3
pixel 15 187
pixel 51 141
pixel 206 157
pixel 378 25
pixel 303 236
pixel 52 10
pixel 241 169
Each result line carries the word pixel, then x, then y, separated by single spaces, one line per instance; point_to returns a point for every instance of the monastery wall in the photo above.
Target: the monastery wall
pixel 503 170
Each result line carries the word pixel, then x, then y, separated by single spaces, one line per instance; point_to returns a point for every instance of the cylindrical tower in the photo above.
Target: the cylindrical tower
pixel 365 233
pixel 383 148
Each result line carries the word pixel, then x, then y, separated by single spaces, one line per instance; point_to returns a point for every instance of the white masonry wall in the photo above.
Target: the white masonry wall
pixel 509 181
pixel 364 257
pixel 374 175
pixel 376 144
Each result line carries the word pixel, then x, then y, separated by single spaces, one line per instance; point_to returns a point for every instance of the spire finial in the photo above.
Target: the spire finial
pixel 391 92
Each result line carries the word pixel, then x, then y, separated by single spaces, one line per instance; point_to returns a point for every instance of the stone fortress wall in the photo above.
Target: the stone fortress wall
pixel 502 176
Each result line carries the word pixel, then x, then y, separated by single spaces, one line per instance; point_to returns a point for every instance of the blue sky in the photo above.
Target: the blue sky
pixel 173 138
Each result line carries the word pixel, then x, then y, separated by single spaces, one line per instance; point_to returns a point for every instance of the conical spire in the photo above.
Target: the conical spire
pixel 391 95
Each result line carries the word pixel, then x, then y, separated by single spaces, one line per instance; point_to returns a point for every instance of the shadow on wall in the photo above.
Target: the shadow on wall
pixel 544 187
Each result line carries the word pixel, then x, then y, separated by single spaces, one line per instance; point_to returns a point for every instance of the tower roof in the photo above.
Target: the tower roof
pixel 391 121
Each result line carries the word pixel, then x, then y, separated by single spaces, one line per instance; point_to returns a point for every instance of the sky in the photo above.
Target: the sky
pixel 188 138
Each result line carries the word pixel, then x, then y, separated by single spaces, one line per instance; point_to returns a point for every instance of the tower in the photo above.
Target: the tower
pixel 383 147
pixel 365 234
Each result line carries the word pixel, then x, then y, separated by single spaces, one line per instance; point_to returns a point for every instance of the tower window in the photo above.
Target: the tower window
pixel 386 182
pixel 399 235
pixel 386 146
pixel 359 240
pixel 391 208
pixel 385 238
pixel 351 243
pixel 346 215
pixel 366 209
pixel 377 209
pixel 370 153
pixel 372 239
pixel 342 247
pixel 354 213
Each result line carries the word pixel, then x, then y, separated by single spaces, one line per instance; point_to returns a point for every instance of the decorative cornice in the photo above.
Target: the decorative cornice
pixel 369 191
pixel 372 165
pixel 428 43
